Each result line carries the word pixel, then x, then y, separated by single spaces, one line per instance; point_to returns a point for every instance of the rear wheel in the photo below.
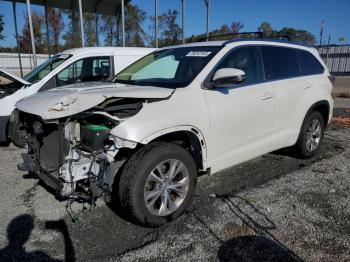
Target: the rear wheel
pixel 311 135
pixel 157 184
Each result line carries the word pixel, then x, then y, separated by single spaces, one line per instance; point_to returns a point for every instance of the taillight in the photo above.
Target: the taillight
pixel 332 79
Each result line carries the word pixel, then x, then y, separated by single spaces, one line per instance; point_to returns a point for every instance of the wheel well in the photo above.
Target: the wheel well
pixel 323 108
pixel 189 141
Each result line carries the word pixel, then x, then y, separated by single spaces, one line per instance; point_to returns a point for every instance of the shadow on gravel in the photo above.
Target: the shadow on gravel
pixel 253 248
pixel 259 244
pixel 18 233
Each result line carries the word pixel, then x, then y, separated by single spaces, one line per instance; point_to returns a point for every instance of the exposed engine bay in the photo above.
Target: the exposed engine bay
pixel 76 155
pixel 8 86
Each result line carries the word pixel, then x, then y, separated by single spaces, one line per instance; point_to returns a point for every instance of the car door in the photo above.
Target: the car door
pixel 241 115
pixel 284 72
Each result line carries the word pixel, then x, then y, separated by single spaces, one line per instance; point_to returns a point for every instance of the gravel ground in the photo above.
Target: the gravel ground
pixel 272 208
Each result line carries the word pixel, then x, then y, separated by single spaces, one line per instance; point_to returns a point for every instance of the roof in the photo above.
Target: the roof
pixel 109 50
pixel 105 7
pixel 265 40
pixel 208 43
pixel 238 40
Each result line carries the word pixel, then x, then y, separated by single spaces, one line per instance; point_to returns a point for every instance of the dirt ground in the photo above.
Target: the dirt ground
pixel 273 208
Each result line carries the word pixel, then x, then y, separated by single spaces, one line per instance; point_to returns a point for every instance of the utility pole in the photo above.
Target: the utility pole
pixel 17 39
pixel 183 20
pixel 321 31
pixel 207 3
pixel 81 24
pixel 156 22
pixel 31 32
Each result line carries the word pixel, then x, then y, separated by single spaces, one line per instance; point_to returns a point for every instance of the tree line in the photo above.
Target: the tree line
pixel 65 33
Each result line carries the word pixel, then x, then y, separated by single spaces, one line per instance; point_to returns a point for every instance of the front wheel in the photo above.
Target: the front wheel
pixel 13 130
pixel 157 184
pixel 311 135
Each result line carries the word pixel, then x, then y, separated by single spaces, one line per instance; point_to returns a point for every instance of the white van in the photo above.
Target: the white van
pixel 88 64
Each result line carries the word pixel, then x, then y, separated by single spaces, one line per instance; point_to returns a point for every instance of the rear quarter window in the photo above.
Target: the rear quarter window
pixel 281 62
pixel 309 64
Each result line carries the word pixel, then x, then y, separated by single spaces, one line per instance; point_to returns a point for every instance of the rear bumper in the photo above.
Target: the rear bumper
pixel 3 126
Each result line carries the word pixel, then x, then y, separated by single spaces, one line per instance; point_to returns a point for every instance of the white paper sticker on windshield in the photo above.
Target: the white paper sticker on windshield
pixel 198 53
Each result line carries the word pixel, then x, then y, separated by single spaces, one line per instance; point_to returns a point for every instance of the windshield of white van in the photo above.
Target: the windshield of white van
pixel 175 67
pixel 42 70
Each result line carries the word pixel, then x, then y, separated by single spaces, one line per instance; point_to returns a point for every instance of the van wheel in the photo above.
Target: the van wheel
pixel 311 135
pixel 157 184
pixel 13 131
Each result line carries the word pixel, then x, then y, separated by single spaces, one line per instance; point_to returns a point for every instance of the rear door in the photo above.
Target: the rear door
pixel 283 69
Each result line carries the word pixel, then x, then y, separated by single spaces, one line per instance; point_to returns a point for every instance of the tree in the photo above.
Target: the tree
pixel 90 29
pixel 72 34
pixel 109 29
pixel 39 39
pixel 266 28
pixel 341 40
pixel 160 25
pixel 172 32
pixel 236 27
pixel 134 19
pixel 296 35
pixel 2 37
pixel 56 26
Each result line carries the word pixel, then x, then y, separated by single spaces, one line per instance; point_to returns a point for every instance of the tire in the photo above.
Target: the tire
pixel 13 131
pixel 303 147
pixel 136 182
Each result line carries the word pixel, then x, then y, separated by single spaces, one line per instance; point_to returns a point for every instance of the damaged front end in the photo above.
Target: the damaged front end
pixel 76 156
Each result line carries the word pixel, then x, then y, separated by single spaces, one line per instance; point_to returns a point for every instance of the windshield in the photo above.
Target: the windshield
pixel 173 68
pixel 42 70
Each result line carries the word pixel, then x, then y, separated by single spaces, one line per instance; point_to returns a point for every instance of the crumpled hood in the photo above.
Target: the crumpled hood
pixel 73 99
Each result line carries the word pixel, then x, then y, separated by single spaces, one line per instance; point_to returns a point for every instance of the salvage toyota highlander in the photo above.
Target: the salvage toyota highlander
pixel 179 112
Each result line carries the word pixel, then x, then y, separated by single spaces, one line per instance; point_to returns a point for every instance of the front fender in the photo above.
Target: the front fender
pixel 145 139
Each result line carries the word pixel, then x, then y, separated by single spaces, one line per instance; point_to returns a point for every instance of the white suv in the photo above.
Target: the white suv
pixel 174 114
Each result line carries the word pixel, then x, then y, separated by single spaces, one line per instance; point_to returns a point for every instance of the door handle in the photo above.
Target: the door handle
pixel 307 86
pixel 266 96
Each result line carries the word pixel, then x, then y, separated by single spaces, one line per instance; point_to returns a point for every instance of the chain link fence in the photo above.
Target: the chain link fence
pixel 337 59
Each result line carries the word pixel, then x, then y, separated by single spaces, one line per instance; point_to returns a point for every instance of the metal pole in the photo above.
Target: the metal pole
pixel 81 24
pixel 156 21
pixel 31 32
pixel 123 23
pixel 207 3
pixel 16 31
pixel 183 20
pixel 47 29
pixel 96 22
pixel 96 29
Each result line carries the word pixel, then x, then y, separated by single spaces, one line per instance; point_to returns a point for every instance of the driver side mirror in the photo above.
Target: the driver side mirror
pixel 226 76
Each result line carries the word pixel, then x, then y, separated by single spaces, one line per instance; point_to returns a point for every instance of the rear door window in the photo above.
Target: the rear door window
pixel 281 62
pixel 309 64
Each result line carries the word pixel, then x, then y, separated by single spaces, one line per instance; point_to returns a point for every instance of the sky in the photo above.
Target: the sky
pixel 300 14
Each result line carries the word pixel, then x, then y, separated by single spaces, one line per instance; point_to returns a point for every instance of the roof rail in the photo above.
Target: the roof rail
pixel 257 34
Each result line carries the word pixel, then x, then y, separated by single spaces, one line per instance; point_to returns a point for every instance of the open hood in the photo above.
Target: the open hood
pixel 12 77
pixel 73 99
